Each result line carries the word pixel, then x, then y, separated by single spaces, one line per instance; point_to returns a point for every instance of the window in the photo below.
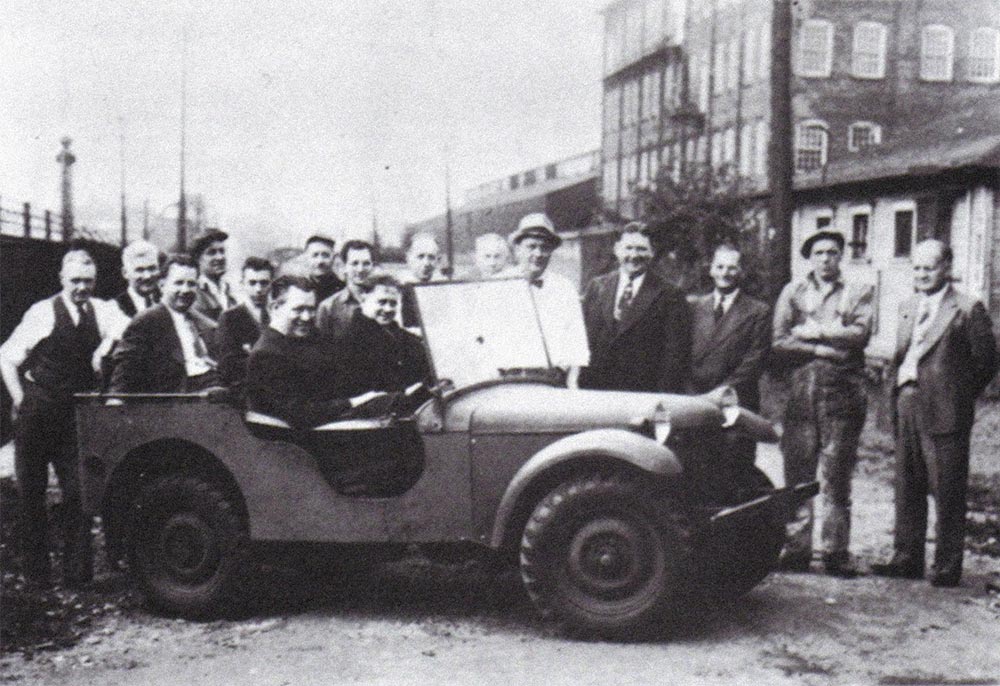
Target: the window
pixel 764 52
pixel 815 48
pixel 868 61
pixel 716 149
pixel 810 145
pixel 515 182
pixel 760 154
pixel 550 172
pixel 529 178
pixel 984 55
pixel 703 77
pixel 859 235
pixel 862 135
pixel 612 109
pixel 937 52
pixel 904 224
pixel 823 222
pixel 729 146
pixel 733 70
pixel 749 56
pixel 610 190
pixel 630 103
pixel 651 95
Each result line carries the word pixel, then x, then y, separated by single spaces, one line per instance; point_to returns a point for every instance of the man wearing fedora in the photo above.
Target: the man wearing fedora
pixel 214 294
pixel 556 299
pixel 822 324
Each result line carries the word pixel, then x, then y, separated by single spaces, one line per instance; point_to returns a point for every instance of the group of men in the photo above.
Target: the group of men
pixel 309 348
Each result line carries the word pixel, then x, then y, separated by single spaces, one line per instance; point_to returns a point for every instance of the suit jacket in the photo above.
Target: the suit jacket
pixel 334 314
pixel 149 357
pixel 957 362
pixel 649 349
pixel 732 351
pixel 237 333
pixel 295 379
pixel 380 358
pixel 209 305
pixel 126 304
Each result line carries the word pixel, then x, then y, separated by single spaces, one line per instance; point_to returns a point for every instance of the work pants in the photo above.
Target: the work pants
pixel 46 432
pixel 823 423
pixel 934 463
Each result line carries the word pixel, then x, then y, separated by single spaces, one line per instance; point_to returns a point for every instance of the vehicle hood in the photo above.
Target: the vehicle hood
pixel 538 408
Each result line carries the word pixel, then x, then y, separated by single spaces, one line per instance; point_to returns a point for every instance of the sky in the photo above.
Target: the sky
pixel 302 115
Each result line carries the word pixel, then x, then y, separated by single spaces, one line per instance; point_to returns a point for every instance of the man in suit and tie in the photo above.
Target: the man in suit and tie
pixel 731 332
pixel 638 325
pixel 168 348
pixel 52 354
pixel 214 294
pixel 422 257
pixel 945 357
pixel 240 326
pixel 141 269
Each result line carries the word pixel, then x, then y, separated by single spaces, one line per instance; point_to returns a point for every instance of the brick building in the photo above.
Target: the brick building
pixel 691 81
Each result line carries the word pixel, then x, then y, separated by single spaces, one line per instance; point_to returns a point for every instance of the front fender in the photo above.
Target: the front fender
pixel 617 444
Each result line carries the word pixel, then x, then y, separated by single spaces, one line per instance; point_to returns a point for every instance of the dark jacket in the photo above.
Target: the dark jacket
pixel 149 357
pixel 126 305
pixel 238 331
pixel 295 379
pixel 958 361
pixel 732 351
pixel 380 358
pixel 649 349
pixel 327 285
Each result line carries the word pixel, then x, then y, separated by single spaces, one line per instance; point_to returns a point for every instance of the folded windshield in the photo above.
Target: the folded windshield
pixel 481 330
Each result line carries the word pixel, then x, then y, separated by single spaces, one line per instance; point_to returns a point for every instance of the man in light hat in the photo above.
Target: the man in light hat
pixel 557 301
pixel 214 294
pixel 822 324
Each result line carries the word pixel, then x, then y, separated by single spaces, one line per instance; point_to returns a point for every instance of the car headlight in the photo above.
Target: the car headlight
pixel 661 424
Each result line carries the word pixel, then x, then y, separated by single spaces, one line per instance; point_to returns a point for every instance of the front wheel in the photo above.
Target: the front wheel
pixel 189 545
pixel 604 554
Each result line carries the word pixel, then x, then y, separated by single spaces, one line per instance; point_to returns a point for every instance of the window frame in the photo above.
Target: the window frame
pixel 911 207
pixel 876 130
pixel 857 53
pixel 949 34
pixel 824 149
pixel 852 243
pixel 995 76
pixel 800 61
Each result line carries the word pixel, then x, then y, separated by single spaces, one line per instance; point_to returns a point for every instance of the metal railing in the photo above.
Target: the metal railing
pixel 46 225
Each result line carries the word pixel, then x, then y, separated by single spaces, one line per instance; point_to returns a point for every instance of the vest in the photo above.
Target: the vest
pixel 61 362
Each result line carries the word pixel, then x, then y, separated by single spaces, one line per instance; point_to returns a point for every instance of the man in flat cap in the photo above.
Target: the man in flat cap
pixel 556 300
pixel 214 293
pixel 822 324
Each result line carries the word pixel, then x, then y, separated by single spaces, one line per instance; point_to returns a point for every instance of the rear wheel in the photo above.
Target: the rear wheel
pixel 604 554
pixel 189 545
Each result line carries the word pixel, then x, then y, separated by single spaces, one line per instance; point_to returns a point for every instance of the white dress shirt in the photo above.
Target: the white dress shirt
pixel 137 300
pixel 40 319
pixel 623 281
pixel 727 300
pixel 561 318
pixel 929 304
pixel 194 364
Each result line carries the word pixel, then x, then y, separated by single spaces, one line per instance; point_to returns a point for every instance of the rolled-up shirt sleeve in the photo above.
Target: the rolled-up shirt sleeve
pixel 35 327
pixel 111 321
pixel 785 319
pixel 852 329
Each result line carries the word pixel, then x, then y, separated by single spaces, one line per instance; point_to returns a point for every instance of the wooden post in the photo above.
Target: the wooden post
pixel 781 156
pixel 48 225
pixel 27 220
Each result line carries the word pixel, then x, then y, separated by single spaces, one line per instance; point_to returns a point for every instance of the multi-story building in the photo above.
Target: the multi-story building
pixel 690 82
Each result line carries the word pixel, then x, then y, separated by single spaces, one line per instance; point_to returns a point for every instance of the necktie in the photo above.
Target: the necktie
pixel 625 300
pixel 718 312
pixel 81 314
pixel 265 318
pixel 148 297
pixel 200 349
pixel 923 318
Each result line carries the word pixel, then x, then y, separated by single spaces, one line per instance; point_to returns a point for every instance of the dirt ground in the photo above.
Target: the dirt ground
pixel 415 622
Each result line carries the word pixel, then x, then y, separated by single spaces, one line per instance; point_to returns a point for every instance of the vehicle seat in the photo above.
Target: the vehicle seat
pixel 380 457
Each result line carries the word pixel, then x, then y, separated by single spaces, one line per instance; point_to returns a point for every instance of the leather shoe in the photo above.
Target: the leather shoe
pixel 898 570
pixel 839 566
pixel 794 562
pixel 945 580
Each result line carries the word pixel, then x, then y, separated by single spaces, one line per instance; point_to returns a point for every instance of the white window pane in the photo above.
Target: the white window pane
pixel 764 52
pixel 746 150
pixel 719 69
pixel 869 50
pixel 810 146
pixel 815 48
pixel 984 55
pixel 761 141
pixel 937 53
pixel 749 57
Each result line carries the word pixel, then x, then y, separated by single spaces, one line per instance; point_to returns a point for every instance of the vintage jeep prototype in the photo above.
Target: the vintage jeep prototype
pixel 616 505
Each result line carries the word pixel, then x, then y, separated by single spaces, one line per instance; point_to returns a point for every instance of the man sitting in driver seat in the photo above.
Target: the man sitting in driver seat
pixel 292 374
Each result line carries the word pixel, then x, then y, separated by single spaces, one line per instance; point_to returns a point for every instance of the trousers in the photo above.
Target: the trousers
pixel 929 463
pixel 823 423
pixel 46 433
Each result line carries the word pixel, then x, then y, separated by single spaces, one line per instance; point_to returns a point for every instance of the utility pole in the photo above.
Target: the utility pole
pixel 145 220
pixel 780 153
pixel 182 202
pixel 66 158
pixel 121 156
pixel 449 241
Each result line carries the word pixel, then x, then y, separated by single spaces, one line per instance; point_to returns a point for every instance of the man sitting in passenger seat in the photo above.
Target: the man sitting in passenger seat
pixel 293 374
pixel 376 353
